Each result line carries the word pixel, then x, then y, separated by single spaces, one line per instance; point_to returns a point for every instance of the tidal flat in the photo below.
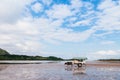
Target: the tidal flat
pixel 58 71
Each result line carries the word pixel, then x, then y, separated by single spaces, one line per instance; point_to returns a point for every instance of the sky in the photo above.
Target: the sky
pixel 62 28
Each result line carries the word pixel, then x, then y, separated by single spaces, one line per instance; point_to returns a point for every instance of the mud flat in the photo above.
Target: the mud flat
pixel 104 63
pixel 57 71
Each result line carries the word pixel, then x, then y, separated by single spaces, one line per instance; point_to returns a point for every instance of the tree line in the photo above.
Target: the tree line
pixel 4 55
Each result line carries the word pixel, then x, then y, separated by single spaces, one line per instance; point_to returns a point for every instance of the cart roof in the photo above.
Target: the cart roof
pixel 79 58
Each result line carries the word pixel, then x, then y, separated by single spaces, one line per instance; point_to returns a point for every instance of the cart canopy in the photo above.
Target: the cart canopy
pixel 79 58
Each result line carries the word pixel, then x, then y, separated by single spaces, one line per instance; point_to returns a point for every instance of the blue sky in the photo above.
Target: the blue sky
pixel 62 28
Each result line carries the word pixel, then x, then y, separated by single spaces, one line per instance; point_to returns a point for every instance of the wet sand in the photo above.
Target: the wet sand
pixel 57 71
pixel 104 63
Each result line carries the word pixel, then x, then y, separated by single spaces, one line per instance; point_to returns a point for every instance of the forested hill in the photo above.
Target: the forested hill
pixel 3 52
pixel 4 55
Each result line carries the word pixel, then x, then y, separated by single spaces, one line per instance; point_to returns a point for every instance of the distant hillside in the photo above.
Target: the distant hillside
pixel 4 55
pixel 3 52
pixel 109 60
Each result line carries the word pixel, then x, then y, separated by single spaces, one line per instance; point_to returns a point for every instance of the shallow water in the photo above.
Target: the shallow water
pixel 57 71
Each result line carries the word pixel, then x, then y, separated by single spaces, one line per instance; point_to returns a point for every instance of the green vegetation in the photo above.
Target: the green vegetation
pixel 4 55
pixel 24 57
pixel 3 52
pixel 109 60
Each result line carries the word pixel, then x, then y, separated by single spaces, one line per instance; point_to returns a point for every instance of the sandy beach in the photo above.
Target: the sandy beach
pixel 57 71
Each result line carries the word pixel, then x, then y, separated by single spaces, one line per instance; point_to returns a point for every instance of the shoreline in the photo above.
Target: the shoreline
pixel 26 62
pixel 88 63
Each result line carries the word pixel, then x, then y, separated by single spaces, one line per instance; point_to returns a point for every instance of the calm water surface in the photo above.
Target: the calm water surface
pixel 57 71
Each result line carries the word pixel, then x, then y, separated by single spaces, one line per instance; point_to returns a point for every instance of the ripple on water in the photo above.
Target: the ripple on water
pixel 57 71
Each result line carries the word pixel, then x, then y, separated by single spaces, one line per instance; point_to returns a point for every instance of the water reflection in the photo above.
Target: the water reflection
pixel 3 66
pixel 68 68
pixel 80 70
pixel 76 70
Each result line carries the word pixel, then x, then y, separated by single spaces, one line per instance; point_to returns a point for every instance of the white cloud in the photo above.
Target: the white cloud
pixel 76 4
pixel 37 7
pixel 109 16
pixel 30 46
pixel 102 34
pixel 11 10
pixel 5 39
pixel 106 4
pixel 21 36
pixel 47 2
pixel 88 5
pixel 26 33
pixel 109 52
pixel 79 16
pixel 107 42
pixel 77 8
pixel 59 11
pixel 83 22
pixel 71 36
pixel 104 54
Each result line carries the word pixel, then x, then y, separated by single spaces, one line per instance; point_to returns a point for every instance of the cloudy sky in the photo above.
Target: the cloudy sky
pixel 63 28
